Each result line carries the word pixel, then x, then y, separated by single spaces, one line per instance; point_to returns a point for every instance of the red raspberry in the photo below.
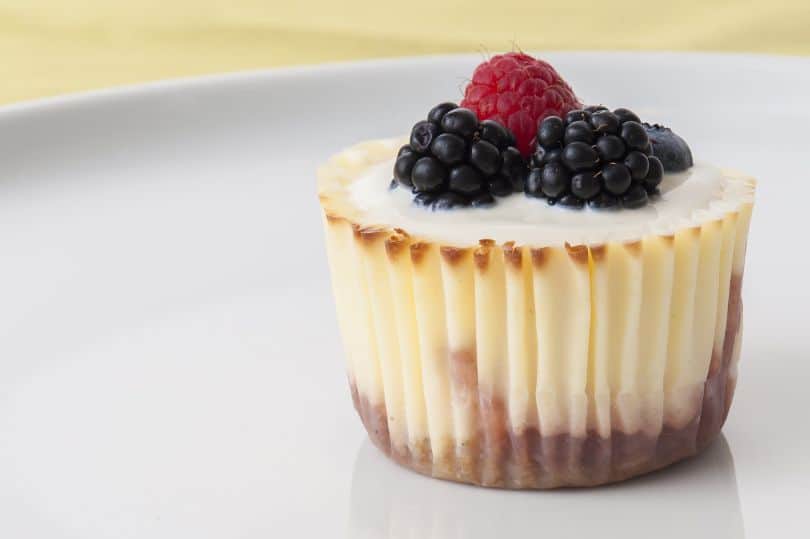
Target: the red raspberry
pixel 518 91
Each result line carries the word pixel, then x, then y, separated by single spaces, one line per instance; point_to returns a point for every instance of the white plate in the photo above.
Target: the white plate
pixel 169 359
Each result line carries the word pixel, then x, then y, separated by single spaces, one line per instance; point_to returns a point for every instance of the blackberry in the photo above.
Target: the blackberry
pixel 482 200
pixel 579 131
pixel 428 175
pixel 655 174
pixel 452 160
pixel 450 200
pixel 585 185
pixel 485 157
pixel 634 135
pixel 466 180
pixel 422 135
pixel 495 133
pixel 608 159
pixel 550 132
pixel 460 121
pixel 449 149
pixel 437 113
pixel 500 185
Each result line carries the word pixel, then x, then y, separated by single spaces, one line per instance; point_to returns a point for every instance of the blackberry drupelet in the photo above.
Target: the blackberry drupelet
pixel 607 159
pixel 452 160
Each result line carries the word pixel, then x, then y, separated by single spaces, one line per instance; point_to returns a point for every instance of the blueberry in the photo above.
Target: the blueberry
pixel 551 131
pixel 671 149
pixel 585 185
pixel 655 174
pixel 450 200
pixel 634 135
pixel 485 157
pixel 428 175
pixel 437 113
pixel 610 148
pixel 605 121
pixel 571 201
pixel 579 131
pixel 635 197
pixel 497 134
pixel 616 177
pixel 576 116
pixel 424 199
pixel 460 121
pixel 482 200
pixel 638 164
pixel 604 201
pixel 626 115
pixel 403 167
pixel 534 183
pixel 555 179
pixel 466 180
pixel 449 149
pixel 422 135
pixel 500 185
pixel 579 156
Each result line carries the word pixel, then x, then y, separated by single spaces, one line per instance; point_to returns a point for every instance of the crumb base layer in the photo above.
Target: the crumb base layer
pixel 502 457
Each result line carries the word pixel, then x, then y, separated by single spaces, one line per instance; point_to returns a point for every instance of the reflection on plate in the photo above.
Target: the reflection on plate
pixel 697 498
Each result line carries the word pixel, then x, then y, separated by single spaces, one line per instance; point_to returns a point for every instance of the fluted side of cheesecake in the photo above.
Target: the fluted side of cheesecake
pixel 536 365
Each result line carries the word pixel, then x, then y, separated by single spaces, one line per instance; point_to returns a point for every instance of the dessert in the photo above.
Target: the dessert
pixel 536 310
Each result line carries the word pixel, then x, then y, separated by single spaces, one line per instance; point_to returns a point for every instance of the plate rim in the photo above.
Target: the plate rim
pixel 145 89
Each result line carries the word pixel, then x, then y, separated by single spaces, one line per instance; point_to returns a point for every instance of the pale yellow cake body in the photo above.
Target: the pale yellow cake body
pixel 457 345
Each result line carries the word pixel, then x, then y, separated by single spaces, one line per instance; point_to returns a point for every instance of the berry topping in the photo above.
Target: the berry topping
pixel 671 149
pixel 518 91
pixel 422 136
pixel 453 160
pixel 654 175
pixel 460 121
pixel 493 132
pixel 437 113
pixel 599 157
pixel 448 148
pixel 482 200
pixel 428 175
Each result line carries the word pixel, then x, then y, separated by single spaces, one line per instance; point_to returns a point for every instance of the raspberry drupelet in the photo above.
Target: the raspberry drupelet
pixel 518 91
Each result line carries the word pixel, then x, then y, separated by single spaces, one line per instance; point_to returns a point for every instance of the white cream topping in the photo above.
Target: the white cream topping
pixel 689 197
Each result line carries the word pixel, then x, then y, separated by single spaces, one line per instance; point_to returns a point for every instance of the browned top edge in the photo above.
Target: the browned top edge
pixel 578 253
pixel 395 245
pixel 513 254
pixel 418 251
pixel 482 253
pixel 368 234
pixel 669 239
pixel 539 257
pixel 598 252
pixel 633 248
pixel 453 255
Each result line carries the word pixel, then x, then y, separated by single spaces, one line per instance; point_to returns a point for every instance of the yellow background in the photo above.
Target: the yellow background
pixel 51 47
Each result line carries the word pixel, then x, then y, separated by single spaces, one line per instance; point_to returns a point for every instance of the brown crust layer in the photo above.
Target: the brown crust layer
pixel 500 456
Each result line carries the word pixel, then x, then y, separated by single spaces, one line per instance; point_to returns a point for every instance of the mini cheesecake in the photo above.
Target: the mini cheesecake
pixel 525 345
